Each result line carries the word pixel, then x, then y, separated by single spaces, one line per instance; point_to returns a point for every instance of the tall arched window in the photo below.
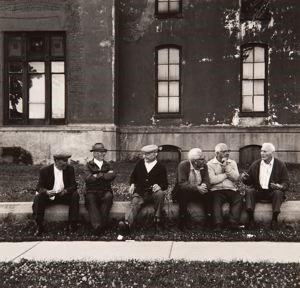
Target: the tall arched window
pixel 168 80
pixel 254 79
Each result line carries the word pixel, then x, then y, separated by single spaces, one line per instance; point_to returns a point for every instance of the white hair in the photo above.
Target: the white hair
pixel 220 147
pixel 270 146
pixel 194 153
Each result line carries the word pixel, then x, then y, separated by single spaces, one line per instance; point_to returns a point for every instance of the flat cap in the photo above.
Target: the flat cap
pixel 149 148
pixel 61 155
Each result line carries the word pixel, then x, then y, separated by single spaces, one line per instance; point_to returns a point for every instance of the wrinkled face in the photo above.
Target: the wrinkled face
pixel 150 156
pixel 61 164
pixel 266 153
pixel 99 155
pixel 223 153
pixel 198 162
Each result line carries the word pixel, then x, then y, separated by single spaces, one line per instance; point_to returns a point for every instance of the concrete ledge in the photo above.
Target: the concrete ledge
pixel 290 211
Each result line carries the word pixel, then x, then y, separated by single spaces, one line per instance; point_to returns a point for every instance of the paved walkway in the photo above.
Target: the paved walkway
pixel 283 252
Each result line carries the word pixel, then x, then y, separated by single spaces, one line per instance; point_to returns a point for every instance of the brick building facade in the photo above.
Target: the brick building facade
pixel 186 74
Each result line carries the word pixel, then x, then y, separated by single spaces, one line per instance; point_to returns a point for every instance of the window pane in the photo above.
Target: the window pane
pixel 36 111
pixel 174 6
pixel 163 72
pixel 247 88
pixel 36 67
pixel 15 96
pixel 259 103
pixel 162 104
pixel 57 67
pixel 247 71
pixel 259 70
pixel 36 47
pixel 58 96
pixel 174 89
pixel 162 88
pixel 15 67
pixel 163 7
pixel 259 54
pixel 57 46
pixel 163 56
pixel 174 104
pixel 174 56
pixel 15 46
pixel 37 89
pixel 174 72
pixel 247 104
pixel 259 87
pixel 248 54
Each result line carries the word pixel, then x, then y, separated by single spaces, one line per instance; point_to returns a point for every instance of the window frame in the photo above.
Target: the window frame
pixel 168 14
pixel 47 59
pixel 254 113
pixel 168 114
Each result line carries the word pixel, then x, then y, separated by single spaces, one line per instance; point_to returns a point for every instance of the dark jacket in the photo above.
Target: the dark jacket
pixel 279 174
pixel 102 182
pixel 183 173
pixel 46 179
pixel 144 180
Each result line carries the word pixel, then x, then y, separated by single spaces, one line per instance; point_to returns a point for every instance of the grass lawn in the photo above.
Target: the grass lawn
pixel 18 182
pixel 149 274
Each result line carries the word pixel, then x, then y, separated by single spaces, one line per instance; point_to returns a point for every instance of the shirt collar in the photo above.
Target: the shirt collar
pixel 268 164
pixel 98 163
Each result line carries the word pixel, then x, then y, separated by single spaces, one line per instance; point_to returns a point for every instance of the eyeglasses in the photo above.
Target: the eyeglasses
pixel 226 151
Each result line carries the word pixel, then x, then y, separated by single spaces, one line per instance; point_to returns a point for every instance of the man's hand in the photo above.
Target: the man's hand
pixel 244 176
pixel 202 188
pixel 275 186
pixel 155 188
pixel 62 192
pixel 50 193
pixel 131 189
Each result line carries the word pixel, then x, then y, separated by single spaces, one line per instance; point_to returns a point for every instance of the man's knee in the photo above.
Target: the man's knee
pixel 108 197
pixel 278 194
pixel 159 194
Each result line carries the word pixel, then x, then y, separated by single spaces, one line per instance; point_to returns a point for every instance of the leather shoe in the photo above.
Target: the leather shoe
pixel 274 225
pixel 218 228
pixel 251 225
pixel 124 228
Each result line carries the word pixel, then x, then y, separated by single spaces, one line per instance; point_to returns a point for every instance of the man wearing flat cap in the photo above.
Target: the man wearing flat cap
pixel 147 184
pixel 56 185
pixel 98 197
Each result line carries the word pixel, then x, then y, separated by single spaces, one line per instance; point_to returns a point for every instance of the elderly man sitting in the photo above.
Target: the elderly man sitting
pixel 268 180
pixel 147 184
pixel 223 176
pixel 56 185
pixel 192 185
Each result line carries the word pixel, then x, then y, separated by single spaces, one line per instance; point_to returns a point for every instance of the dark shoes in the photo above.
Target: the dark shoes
pixel 218 228
pixel 73 227
pixel 274 225
pixel 251 225
pixel 124 228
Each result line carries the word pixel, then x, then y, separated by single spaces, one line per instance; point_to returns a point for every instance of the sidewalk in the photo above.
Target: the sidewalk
pixel 283 252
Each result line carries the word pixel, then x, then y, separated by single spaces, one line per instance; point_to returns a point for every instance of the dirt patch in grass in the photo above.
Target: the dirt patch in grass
pixel 149 274
pixel 18 182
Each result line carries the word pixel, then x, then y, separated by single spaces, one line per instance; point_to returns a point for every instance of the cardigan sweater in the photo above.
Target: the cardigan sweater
pixel 144 180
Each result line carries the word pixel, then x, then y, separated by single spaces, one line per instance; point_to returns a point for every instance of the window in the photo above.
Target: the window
pixel 168 7
pixel 255 10
pixel 35 78
pixel 254 75
pixel 168 79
